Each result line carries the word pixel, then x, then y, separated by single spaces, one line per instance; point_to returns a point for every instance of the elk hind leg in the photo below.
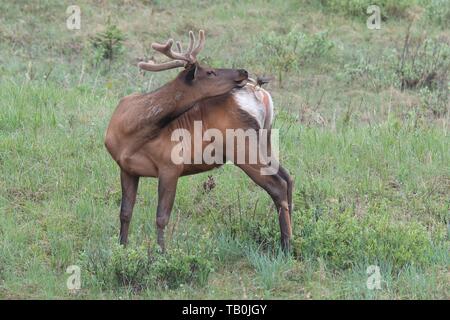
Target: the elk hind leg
pixel 283 173
pixel 277 188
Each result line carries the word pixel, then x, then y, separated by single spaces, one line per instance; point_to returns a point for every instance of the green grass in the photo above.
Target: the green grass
pixel 371 162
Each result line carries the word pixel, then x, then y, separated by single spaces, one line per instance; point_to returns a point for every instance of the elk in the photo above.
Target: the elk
pixel 139 133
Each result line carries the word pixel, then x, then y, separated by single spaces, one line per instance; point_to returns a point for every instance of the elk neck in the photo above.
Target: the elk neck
pixel 171 100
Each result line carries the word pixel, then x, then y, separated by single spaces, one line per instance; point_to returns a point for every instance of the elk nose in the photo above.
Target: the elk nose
pixel 243 72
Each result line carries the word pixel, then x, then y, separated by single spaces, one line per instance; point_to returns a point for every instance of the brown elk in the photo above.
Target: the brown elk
pixel 139 133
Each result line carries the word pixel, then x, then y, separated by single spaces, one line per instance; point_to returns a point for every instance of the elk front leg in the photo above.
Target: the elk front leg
pixel 167 187
pixel 129 185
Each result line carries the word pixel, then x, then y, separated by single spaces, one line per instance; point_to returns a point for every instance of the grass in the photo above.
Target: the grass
pixel 370 160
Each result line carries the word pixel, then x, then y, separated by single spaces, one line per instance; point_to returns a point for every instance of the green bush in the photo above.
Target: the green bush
pixel 400 243
pixel 423 63
pixel 436 101
pixel 108 45
pixel 375 73
pixel 139 267
pixel 438 11
pixel 344 240
pixel 95 262
pixel 286 52
pixel 420 63
pixel 176 268
pixel 130 266
pixel 335 237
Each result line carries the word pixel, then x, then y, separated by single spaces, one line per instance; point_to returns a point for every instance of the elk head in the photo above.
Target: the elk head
pixel 200 82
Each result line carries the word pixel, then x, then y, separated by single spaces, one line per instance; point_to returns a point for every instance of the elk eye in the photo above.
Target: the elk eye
pixel 210 73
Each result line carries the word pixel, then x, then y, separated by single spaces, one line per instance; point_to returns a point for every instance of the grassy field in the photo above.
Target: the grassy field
pixel 364 126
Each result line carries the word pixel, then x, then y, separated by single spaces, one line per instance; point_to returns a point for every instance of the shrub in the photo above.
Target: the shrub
pixel 438 11
pixel 423 63
pixel 176 268
pixel 335 237
pixel 399 243
pixel 420 63
pixel 107 45
pixel 373 73
pixel 343 240
pixel 130 266
pixel 436 101
pixel 95 263
pixel 287 52
pixel 139 267
pixel 315 46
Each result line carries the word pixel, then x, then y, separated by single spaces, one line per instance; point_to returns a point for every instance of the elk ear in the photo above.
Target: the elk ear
pixel 192 73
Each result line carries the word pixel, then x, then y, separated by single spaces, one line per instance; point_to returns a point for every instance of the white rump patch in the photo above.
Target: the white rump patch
pixel 250 100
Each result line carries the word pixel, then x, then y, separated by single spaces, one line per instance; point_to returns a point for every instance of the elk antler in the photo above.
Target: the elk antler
pixel 180 58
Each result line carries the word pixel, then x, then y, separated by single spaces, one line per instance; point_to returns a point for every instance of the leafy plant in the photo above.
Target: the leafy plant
pixel 344 240
pixel 287 52
pixel 139 267
pixel 423 63
pixel 176 268
pixel 419 63
pixel 108 45
pixel 436 101
pixel 438 11
pixel 374 73
pixel 130 266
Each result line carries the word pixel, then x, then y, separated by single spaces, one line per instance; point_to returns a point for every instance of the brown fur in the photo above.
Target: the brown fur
pixel 139 140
